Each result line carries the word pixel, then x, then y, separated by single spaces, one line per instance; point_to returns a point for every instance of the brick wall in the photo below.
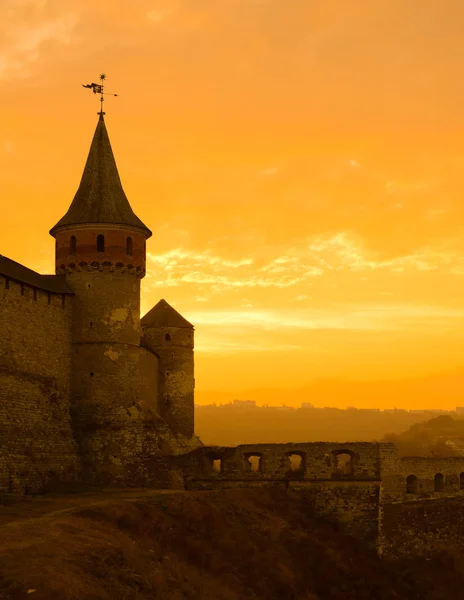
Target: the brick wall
pixel 85 251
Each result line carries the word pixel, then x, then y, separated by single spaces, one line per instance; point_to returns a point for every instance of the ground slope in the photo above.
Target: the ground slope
pixel 233 545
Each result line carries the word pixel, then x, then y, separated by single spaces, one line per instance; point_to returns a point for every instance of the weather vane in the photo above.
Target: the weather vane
pixel 98 89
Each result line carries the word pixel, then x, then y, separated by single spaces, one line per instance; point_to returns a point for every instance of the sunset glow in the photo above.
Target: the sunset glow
pixel 301 166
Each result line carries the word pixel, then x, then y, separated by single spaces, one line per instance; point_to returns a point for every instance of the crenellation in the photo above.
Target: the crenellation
pixel 27 292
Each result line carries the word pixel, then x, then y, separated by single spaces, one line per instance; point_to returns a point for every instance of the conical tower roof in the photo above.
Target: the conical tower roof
pixel 163 315
pixel 100 198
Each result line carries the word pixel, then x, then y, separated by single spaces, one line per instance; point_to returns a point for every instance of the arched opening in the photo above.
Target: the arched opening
pixel 461 481
pixel 100 243
pixel 217 465
pixel 167 337
pixel 129 246
pixel 72 245
pixel 343 463
pixel 296 463
pixel 253 462
pixel 439 482
pixel 411 484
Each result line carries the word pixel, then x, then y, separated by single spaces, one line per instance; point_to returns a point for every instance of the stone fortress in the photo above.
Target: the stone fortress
pixel 92 393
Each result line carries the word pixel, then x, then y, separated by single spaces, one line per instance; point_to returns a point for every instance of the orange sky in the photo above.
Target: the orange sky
pixel 300 164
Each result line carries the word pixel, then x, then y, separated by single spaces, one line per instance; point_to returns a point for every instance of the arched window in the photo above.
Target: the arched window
pixel 100 243
pixel 72 245
pixel 253 462
pixel 439 482
pixel 411 484
pixel 129 246
pixel 342 463
pixel 296 462
pixel 167 337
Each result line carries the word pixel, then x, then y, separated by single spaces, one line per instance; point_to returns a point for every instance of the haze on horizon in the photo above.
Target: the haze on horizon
pixel 300 165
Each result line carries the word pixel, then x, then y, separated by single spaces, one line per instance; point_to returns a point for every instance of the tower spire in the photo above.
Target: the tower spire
pixel 100 198
pixel 98 89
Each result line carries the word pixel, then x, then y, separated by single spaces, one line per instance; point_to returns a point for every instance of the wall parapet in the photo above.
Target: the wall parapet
pixel 11 270
pixel 310 461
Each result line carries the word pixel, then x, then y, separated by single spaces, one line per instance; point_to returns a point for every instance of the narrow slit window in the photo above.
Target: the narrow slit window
pixel 129 246
pixel 100 243
pixel 411 484
pixel 72 245
pixel 439 482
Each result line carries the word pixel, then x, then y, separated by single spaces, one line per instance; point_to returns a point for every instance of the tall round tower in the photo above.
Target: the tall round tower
pixel 171 337
pixel 100 246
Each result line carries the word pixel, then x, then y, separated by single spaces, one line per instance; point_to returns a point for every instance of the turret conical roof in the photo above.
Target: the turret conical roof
pixel 163 315
pixel 100 198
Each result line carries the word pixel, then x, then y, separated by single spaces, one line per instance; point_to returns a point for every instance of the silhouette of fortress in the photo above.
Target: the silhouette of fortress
pixel 84 381
pixel 91 393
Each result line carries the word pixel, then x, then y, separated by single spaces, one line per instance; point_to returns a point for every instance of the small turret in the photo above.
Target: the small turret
pixel 170 336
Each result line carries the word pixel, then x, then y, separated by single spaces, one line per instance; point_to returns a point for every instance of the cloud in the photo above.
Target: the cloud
pixel 158 16
pixel 410 187
pixel 376 317
pixel 298 264
pixel 181 266
pixel 344 253
pixel 220 346
pixel 7 146
pixel 20 41
pixel 268 172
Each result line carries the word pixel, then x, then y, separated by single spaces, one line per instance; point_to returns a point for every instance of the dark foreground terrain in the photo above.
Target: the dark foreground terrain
pixel 234 545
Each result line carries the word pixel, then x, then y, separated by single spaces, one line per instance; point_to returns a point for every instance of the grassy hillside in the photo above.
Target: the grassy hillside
pixel 431 438
pixel 234 545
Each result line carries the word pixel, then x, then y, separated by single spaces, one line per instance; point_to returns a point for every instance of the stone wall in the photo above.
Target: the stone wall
pixel 36 442
pixel 411 478
pixel 420 506
pixel 174 346
pixel 372 501
pixel 353 505
pixel 350 498
pixel 422 527
pixel 149 369
pixel 311 461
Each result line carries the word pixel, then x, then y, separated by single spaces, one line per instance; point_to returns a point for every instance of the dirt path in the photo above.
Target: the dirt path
pixel 50 505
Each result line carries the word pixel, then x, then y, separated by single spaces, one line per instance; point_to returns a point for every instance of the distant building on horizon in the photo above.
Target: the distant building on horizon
pixel 245 403
pixel 306 405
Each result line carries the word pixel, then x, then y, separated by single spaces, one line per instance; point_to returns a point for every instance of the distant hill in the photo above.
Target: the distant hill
pixel 233 424
pixel 441 436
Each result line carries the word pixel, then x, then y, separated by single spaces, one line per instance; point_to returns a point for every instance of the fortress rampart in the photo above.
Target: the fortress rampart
pixel 36 439
pixel 400 506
